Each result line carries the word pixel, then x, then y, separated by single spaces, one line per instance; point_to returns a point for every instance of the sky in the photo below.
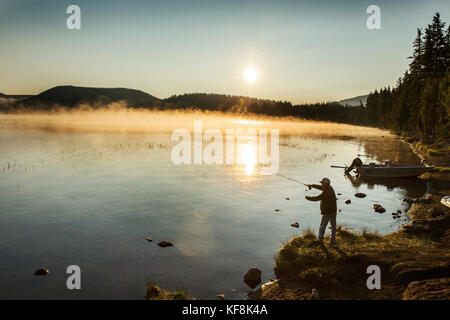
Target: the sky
pixel 302 51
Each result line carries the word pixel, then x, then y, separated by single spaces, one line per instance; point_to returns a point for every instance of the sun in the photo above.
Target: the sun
pixel 250 74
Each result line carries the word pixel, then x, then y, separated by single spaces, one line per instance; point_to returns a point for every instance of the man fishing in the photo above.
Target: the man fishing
pixel 328 208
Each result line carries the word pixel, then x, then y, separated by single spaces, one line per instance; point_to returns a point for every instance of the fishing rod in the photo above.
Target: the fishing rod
pixel 280 175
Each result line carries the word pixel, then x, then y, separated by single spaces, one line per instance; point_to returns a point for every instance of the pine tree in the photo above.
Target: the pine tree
pixel 417 63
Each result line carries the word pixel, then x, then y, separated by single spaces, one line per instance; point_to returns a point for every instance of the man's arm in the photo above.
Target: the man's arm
pixel 316 198
pixel 315 186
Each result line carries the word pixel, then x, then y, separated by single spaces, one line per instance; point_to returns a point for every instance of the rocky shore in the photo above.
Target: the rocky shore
pixel 414 264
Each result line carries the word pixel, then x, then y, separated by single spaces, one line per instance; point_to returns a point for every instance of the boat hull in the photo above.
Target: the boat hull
pixel 392 172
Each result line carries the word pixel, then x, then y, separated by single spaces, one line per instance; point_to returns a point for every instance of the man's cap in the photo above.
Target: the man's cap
pixel 326 180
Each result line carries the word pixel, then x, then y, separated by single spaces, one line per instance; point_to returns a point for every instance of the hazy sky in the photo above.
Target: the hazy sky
pixel 304 51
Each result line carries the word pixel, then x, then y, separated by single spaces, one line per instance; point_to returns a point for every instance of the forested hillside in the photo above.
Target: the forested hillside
pixel 420 102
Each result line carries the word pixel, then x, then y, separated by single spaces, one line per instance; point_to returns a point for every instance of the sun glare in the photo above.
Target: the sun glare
pixel 250 74
pixel 249 158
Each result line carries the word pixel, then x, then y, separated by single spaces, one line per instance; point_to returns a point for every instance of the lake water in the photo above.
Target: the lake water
pixel 90 198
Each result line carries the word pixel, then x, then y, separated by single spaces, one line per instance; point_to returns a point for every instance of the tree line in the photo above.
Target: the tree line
pixel 419 104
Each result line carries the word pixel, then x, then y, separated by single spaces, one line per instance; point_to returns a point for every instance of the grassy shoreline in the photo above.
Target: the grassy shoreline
pixel 414 262
pixel 154 292
pixel 437 154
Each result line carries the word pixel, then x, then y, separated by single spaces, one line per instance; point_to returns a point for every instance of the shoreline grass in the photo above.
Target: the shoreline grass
pixel 154 292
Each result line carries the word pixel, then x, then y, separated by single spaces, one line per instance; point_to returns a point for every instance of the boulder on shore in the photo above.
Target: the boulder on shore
pixel 253 277
pixel 360 195
pixel 314 295
pixel 431 289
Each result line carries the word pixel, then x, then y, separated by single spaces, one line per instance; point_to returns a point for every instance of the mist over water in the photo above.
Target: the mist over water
pixel 86 187
pixel 117 117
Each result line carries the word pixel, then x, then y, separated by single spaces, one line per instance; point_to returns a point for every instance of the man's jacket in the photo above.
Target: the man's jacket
pixel 327 199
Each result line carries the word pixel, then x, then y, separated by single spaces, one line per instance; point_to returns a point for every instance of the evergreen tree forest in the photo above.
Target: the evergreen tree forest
pixel 419 105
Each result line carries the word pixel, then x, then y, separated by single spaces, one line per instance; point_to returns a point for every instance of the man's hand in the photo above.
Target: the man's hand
pixel 307 197
pixel 309 186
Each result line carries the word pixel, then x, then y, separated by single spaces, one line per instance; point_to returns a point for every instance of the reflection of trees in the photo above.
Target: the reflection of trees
pixel 388 148
pixel 413 187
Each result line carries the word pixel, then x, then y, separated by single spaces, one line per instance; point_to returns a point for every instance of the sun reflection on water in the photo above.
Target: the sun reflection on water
pixel 249 158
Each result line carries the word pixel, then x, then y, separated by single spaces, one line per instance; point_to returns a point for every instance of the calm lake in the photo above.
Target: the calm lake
pixel 83 195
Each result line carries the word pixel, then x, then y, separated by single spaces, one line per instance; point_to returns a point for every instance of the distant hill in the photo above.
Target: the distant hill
pixel 15 96
pixel 354 102
pixel 71 96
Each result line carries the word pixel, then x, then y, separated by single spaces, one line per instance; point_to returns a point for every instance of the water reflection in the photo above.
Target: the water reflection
pixel 195 236
pixel 413 187
pixel 249 159
pixel 385 148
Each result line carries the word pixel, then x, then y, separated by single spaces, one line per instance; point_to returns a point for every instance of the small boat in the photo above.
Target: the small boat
pixel 388 169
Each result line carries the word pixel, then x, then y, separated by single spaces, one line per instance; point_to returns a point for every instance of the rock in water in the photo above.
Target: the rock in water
pixel 315 294
pixel 41 272
pixel 253 277
pixel 360 195
pixel 378 208
pixel 221 296
pixel 295 225
pixel 149 239
pixel 347 201
pixel 165 244
pixel 288 198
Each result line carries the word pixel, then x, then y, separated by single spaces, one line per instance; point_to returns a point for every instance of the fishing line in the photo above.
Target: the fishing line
pixel 280 175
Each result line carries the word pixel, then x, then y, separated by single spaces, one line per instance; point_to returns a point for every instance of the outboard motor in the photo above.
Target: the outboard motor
pixel 355 164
